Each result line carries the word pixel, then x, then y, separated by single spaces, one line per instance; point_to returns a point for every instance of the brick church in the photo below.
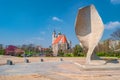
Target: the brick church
pixel 59 42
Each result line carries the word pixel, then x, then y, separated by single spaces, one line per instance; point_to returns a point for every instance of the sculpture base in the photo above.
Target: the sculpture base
pixel 100 65
pixel 96 62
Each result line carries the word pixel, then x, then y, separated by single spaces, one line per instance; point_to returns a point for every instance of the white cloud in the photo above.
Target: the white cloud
pixel 56 19
pixel 115 1
pixel 33 40
pixel 42 32
pixel 37 39
pixel 112 25
pixel 28 42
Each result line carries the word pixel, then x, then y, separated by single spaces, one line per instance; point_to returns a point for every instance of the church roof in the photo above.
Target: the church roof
pixel 61 39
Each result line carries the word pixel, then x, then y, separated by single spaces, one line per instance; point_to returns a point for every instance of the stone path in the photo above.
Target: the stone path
pixel 61 70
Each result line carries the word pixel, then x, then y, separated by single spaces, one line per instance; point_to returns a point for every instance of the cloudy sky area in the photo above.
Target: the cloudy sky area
pixel 33 21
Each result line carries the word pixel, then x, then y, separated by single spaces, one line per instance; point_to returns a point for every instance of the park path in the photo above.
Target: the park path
pixel 58 70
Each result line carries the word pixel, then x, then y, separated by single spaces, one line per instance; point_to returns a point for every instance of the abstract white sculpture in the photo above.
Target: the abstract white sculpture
pixel 89 29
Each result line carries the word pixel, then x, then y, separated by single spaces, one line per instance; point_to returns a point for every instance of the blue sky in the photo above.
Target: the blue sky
pixel 33 21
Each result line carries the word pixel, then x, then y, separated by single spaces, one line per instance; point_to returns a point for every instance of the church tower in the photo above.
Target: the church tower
pixel 59 42
pixel 53 36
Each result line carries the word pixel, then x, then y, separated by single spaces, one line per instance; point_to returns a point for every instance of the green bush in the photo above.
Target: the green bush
pixel 81 54
pixel 77 50
pixel 2 52
pixel 101 53
pixel 118 56
pixel 60 53
pixel 109 54
pixel 69 55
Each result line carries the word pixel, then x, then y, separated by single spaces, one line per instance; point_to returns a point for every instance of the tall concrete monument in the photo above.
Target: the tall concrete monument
pixel 89 29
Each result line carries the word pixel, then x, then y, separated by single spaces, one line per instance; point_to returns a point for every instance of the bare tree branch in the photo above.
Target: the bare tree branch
pixel 116 35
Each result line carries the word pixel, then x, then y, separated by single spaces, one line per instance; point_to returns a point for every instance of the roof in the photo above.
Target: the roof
pixel 61 39
pixel 11 48
pixel 19 51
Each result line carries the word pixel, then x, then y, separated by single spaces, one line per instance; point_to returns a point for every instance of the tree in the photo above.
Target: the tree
pixel 60 53
pixel 77 51
pixel 106 45
pixel 2 51
pixel 48 52
pixel 1 46
pixel 116 34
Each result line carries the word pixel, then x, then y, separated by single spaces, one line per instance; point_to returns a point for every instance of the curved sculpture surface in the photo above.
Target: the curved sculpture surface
pixel 89 29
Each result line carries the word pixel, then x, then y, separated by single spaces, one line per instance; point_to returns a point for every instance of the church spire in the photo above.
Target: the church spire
pixel 53 36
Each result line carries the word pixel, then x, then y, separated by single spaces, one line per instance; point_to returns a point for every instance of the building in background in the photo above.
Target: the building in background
pixel 13 50
pixel 59 42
